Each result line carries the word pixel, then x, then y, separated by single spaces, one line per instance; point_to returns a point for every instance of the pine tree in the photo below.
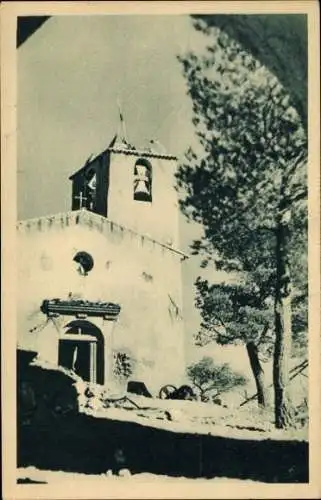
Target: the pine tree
pixel 238 313
pixel 246 183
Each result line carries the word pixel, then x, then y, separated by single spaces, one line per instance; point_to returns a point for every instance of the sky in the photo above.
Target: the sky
pixel 70 74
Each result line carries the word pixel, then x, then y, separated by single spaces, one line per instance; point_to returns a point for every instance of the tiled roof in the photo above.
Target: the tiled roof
pixel 148 153
pixel 72 307
pixel 120 147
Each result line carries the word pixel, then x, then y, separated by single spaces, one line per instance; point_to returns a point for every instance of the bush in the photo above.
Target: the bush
pixel 123 365
pixel 207 376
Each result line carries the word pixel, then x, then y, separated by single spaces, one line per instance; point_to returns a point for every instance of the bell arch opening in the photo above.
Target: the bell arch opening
pixel 143 176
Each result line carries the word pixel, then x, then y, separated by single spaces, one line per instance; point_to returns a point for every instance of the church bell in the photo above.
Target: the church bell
pixel 142 183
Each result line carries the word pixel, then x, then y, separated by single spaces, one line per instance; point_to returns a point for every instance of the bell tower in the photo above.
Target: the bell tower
pixel 134 188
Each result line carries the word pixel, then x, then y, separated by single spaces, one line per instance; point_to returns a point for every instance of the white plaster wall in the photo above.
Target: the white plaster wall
pixel 158 219
pixel 145 327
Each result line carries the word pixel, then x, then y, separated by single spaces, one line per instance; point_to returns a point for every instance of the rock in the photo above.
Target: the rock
pixel 89 393
pixel 168 415
pixel 138 388
pixel 124 473
pixel 174 415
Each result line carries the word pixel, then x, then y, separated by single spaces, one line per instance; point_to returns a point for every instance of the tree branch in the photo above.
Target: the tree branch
pixel 197 385
pixel 210 388
pixel 302 195
pixel 263 335
pixel 290 169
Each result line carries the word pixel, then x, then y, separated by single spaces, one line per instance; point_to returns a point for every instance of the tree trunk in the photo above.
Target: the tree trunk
pixel 258 373
pixel 282 318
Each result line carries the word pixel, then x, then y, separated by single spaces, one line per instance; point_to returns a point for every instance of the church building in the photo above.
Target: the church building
pixel 99 286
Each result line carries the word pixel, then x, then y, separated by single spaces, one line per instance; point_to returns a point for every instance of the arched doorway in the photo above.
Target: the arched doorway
pixel 81 349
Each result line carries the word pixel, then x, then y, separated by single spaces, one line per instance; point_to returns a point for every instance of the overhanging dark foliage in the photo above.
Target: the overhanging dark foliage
pixel 27 25
pixel 279 41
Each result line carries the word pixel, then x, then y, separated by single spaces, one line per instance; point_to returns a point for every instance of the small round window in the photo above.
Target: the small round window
pixel 84 261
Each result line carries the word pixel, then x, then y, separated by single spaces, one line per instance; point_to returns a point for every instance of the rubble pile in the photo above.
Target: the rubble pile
pixel 72 394
pixel 194 415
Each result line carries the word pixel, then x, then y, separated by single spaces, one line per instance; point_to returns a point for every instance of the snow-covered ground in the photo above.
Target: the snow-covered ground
pixel 50 477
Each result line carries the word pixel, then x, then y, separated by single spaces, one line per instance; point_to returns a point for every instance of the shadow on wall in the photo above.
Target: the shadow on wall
pixel 74 442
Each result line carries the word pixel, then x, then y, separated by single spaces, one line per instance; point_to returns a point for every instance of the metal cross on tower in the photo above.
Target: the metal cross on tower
pixel 81 199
